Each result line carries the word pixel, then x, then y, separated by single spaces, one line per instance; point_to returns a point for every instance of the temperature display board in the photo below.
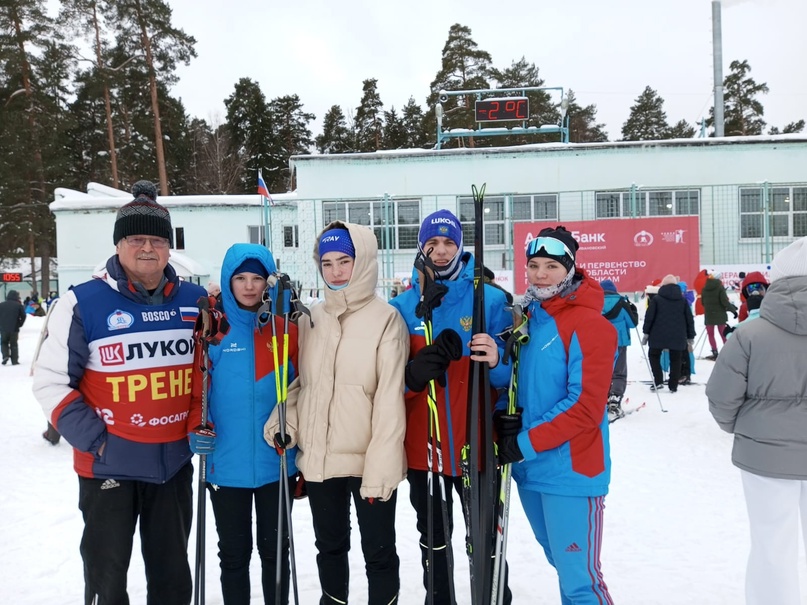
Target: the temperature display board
pixel 500 110
pixel 11 277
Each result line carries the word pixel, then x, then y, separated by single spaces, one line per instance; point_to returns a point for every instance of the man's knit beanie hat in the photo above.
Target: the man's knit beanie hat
pixel 143 215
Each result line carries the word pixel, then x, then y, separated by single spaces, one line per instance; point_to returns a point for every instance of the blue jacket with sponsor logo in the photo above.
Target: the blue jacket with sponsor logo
pixel 455 312
pixel 242 389
pixel 117 370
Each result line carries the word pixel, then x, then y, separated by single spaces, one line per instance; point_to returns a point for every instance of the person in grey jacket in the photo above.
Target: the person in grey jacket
pixel 758 392
pixel 12 316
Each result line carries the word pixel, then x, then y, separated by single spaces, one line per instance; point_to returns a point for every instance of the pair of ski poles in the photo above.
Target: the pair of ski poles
pixel 288 299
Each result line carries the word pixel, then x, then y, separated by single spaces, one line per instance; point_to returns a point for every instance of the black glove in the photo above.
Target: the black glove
pixel 509 451
pixel 728 330
pixel 281 444
pixel 432 361
pixel 507 425
pixel 735 314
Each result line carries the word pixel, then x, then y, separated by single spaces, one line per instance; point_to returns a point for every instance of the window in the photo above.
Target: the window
pixel 787 211
pixel 395 223
pixel 256 235
pixel 494 220
pixel 499 208
pixel 616 204
pixel 291 236
pixel 179 238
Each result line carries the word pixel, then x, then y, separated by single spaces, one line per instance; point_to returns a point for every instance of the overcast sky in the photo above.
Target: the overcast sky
pixel 606 51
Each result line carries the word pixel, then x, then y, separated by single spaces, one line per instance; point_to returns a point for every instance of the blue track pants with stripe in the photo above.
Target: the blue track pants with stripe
pixel 569 528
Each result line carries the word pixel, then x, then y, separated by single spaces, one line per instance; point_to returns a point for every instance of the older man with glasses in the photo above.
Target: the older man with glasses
pixel 114 377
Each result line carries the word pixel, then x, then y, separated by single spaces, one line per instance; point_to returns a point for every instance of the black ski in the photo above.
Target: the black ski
pixel 478 457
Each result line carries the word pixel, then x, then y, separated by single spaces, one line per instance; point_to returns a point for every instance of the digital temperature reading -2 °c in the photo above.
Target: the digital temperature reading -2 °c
pixel 11 277
pixel 499 110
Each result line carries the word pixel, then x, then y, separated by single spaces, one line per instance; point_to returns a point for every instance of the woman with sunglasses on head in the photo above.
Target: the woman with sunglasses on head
pixel 559 435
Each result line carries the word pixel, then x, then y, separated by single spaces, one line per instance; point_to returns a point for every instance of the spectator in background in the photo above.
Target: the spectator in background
pixel 12 316
pixel 754 282
pixel 129 438
pixel 624 316
pixel 35 309
pixel 757 392
pixel 716 307
pixel 688 359
pixel 668 324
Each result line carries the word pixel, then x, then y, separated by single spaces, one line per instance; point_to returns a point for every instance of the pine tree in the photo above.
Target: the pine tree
pixel 743 111
pixel 647 120
pixel 33 91
pixel 250 128
pixel 85 19
pixel 395 135
pixel 336 136
pixel 148 24
pixel 369 123
pixel 681 130
pixel 213 169
pixel 413 123
pixel 792 128
pixel 463 67
pixel 542 109
pixel 291 135
pixel 583 127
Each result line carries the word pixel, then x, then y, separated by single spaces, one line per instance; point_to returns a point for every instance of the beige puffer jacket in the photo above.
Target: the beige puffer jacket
pixel 345 410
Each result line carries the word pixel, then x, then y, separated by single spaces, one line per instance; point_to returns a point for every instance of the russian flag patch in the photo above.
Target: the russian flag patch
pixel 188 313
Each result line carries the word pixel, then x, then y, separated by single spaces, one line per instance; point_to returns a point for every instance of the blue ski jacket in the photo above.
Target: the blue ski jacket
pixel 623 322
pixel 563 379
pixel 455 312
pixel 242 389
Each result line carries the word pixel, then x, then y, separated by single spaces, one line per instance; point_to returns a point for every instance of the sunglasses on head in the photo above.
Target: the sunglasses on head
pixel 552 246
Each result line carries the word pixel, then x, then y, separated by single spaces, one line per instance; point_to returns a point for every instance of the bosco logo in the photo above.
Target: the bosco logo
pixel 111 355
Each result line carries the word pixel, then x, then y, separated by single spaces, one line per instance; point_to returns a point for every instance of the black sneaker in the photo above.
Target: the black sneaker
pixel 684 380
pixel 656 387
pixel 5 360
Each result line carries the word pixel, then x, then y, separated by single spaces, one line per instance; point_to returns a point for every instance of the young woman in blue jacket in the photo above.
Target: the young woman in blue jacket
pixel 243 470
pixel 559 434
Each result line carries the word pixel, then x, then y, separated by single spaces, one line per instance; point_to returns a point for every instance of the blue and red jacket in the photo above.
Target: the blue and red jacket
pixel 455 312
pixel 116 370
pixel 563 381
pixel 242 389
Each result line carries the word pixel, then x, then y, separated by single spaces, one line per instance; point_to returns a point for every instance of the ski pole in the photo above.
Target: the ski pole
pixel 201 503
pixel 649 369
pixel 431 294
pixel 520 337
pixel 281 391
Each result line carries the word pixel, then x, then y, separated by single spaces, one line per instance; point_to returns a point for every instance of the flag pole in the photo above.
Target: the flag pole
pixel 267 211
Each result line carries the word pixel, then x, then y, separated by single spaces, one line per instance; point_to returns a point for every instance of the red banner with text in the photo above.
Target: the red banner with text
pixel 632 253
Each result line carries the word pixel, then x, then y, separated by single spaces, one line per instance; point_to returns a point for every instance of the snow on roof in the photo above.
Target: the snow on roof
pixel 102 197
pixel 558 146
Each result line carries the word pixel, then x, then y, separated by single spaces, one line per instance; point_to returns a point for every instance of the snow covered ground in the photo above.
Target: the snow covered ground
pixel 675 522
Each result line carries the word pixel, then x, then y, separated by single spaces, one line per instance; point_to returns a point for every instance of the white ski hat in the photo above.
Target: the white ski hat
pixel 790 261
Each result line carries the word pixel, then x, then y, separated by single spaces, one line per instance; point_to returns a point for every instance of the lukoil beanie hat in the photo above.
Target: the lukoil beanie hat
pixel 565 254
pixel 143 215
pixel 336 240
pixel 442 223
pixel 252 265
pixel 608 286
pixel 790 261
